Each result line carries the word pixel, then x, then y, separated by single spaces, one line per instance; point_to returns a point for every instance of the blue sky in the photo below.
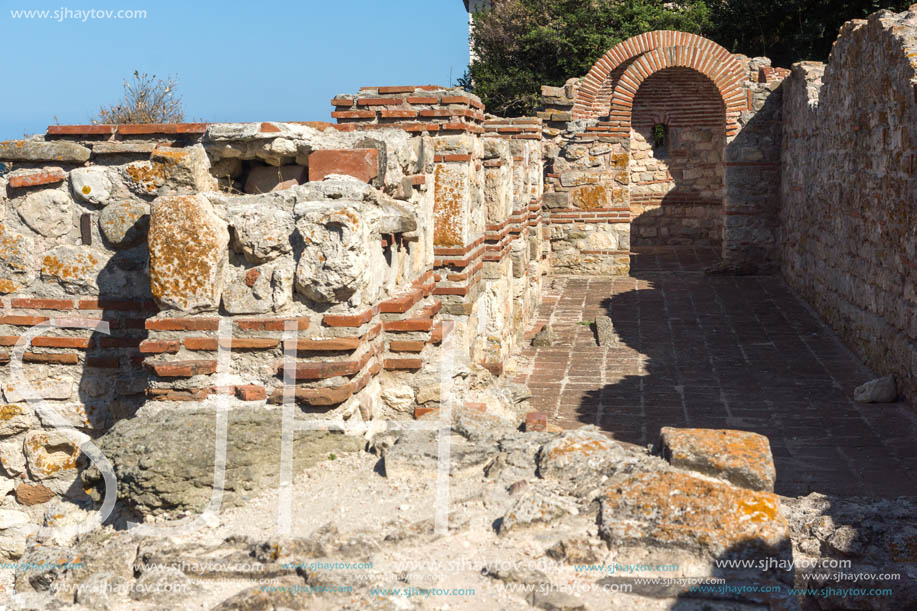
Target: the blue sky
pixel 236 61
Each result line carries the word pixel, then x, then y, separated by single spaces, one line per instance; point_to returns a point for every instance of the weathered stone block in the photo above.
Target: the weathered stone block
pixel 49 454
pixel 75 268
pixel 125 223
pixel 880 390
pixel 188 243
pixel 337 265
pixel 261 233
pixel 38 150
pixel 259 290
pixel 93 184
pixel 671 511
pixel 18 265
pixel 739 457
pixel 48 212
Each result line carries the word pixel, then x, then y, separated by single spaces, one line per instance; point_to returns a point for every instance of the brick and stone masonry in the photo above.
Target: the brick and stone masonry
pixel 418 207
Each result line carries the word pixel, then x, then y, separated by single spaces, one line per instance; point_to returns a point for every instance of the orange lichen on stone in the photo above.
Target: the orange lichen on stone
pixel 588 198
pixel 448 220
pixel 8 412
pixel 149 176
pixel 739 457
pixel 81 267
pixel 678 510
pixel 187 243
pixel 50 458
pixel 7 286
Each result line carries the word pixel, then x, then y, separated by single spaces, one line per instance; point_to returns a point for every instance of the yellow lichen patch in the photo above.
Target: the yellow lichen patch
pixel 7 286
pixel 86 189
pixel 8 412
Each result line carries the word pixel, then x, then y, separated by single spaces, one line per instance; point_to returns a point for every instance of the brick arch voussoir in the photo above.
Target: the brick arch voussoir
pixel 724 77
pixel 694 51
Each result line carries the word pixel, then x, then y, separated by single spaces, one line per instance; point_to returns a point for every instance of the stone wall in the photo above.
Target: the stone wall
pixel 677 190
pixel 362 237
pixel 849 189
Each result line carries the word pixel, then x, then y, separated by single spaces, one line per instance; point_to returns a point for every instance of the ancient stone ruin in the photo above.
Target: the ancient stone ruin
pixel 416 234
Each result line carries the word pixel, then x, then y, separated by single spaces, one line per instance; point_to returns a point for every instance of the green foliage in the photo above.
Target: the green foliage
pixel 523 44
pixel 788 31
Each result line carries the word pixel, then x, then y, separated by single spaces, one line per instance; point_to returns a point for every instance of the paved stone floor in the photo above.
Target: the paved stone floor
pixel 719 352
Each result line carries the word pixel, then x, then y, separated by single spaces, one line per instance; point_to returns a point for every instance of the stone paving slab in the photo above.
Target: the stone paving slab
pixel 720 352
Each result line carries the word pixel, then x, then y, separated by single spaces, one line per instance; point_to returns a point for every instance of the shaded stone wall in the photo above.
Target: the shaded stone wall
pixel 849 189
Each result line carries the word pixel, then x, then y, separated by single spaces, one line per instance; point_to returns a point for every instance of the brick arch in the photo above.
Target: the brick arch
pixel 706 53
pixel 725 76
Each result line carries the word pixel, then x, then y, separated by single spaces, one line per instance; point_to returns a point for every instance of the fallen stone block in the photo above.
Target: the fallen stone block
pixel 670 511
pixel 173 468
pixel 544 338
pixel 536 508
pixel 880 390
pixel 605 331
pixel 739 457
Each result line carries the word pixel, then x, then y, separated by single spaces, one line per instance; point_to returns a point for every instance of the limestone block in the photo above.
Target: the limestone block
pixel 337 263
pixel 739 457
pixel 75 268
pixel 93 184
pixel 38 150
pixel 14 419
pixel 675 511
pixel 452 194
pixel 536 508
pixel 49 454
pixel 48 212
pixel 11 457
pixel 261 233
pixel 605 331
pixel 18 265
pixel 125 223
pixel 399 398
pixel 188 250
pixel 880 390
pixel 55 388
pixel 187 169
pixel 259 290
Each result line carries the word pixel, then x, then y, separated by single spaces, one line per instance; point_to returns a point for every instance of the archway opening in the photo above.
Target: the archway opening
pixel 676 167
